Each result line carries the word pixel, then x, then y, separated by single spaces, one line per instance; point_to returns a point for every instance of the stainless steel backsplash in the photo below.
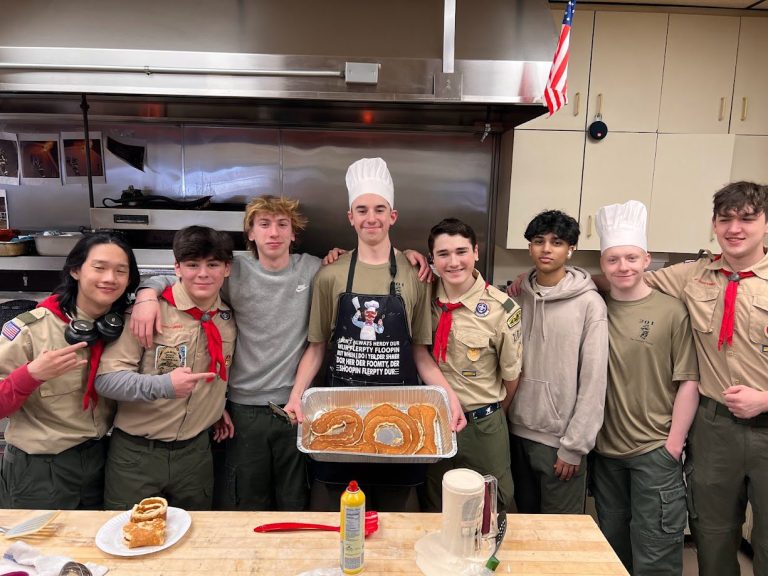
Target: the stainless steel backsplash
pixel 436 175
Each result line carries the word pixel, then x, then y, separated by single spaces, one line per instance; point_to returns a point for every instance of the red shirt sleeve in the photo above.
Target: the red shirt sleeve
pixel 15 389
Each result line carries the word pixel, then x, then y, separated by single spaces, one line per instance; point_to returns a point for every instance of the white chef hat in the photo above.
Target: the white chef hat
pixel 622 225
pixel 370 176
pixel 371 305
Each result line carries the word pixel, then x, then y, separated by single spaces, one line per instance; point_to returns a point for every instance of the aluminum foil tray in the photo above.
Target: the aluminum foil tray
pixel 319 400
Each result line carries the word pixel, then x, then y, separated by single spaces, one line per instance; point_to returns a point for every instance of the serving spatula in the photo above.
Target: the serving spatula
pixel 30 526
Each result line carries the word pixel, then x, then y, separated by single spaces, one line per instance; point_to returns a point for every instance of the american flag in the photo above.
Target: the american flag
pixel 10 330
pixel 556 91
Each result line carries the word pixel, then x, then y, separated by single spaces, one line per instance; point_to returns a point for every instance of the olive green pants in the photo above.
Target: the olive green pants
pixel 137 468
pixel 726 466
pixel 263 468
pixel 537 489
pixel 70 480
pixel 483 446
pixel 640 505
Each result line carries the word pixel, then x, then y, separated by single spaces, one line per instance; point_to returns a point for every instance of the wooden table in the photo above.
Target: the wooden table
pixel 220 543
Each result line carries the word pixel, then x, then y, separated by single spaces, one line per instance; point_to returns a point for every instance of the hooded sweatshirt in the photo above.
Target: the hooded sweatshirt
pixel 561 395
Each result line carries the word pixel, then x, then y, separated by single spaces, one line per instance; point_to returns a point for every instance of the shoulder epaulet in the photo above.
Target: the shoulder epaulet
pixel 30 317
pixel 506 302
pixel 706 255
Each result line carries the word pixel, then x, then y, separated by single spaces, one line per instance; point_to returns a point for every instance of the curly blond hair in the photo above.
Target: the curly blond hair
pixel 272 205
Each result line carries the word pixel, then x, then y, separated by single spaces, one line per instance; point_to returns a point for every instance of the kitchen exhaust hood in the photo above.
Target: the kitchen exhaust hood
pixel 400 51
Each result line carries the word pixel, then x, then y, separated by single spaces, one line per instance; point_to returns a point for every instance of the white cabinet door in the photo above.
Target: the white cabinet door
pixel 698 74
pixel 750 159
pixel 573 115
pixel 690 168
pixel 749 114
pixel 546 174
pixel 616 169
pixel 627 67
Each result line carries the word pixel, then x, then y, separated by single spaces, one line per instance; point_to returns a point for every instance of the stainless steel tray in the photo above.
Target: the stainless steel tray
pixel 319 400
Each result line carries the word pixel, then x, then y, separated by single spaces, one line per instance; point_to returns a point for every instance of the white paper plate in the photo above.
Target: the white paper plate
pixel 109 538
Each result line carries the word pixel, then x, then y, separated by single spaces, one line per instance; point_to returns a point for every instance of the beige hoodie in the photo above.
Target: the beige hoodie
pixel 561 395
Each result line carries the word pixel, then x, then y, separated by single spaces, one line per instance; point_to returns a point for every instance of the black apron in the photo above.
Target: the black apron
pixel 371 346
pixel 371 343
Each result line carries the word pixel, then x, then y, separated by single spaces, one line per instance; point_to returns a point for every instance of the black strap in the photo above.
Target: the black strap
pixel 392 271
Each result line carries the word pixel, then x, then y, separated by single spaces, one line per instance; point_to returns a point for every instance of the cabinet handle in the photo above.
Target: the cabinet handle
pixel 744 109
pixel 589 226
pixel 599 104
pixel 721 114
pixel 576 100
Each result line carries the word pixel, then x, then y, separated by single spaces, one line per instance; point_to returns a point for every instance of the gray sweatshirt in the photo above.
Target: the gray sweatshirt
pixel 561 395
pixel 272 313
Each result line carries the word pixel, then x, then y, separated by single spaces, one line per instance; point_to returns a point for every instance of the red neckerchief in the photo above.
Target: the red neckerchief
pixel 52 303
pixel 215 347
pixel 729 311
pixel 440 345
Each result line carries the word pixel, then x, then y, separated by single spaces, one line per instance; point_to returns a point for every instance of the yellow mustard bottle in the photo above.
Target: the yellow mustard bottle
pixel 352 529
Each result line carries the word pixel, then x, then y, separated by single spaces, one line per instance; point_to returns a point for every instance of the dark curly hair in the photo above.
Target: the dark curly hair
pixel 554 222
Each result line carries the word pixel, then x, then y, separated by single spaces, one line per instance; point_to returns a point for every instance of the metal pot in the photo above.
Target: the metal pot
pixel 56 243
pixel 14 248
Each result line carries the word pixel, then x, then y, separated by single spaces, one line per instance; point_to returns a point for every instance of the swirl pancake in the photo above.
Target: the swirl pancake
pixel 426 415
pixel 388 415
pixel 149 509
pixel 326 434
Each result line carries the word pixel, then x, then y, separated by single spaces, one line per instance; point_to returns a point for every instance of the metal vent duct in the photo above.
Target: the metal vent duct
pixel 498 52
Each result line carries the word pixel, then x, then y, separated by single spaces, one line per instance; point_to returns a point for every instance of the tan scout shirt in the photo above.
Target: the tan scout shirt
pixel 182 343
pixel 701 286
pixel 52 419
pixel 484 346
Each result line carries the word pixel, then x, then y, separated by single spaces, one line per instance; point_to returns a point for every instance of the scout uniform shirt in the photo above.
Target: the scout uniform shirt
pixel 701 285
pixel 484 346
pixel 182 343
pixel 52 418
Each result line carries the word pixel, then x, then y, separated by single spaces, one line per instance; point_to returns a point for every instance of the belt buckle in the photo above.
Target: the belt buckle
pixel 482 412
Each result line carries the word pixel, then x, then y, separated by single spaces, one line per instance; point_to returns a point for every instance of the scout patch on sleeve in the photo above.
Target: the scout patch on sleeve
pixel 514 318
pixel 168 358
pixel 10 330
pixel 225 314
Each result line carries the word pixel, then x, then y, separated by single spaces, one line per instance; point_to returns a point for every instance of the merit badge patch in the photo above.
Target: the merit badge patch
pixel 514 318
pixel 481 310
pixel 168 358
pixel 225 314
pixel 10 330
pixel 473 354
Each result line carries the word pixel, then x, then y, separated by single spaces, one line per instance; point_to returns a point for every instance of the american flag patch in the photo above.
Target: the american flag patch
pixel 10 330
